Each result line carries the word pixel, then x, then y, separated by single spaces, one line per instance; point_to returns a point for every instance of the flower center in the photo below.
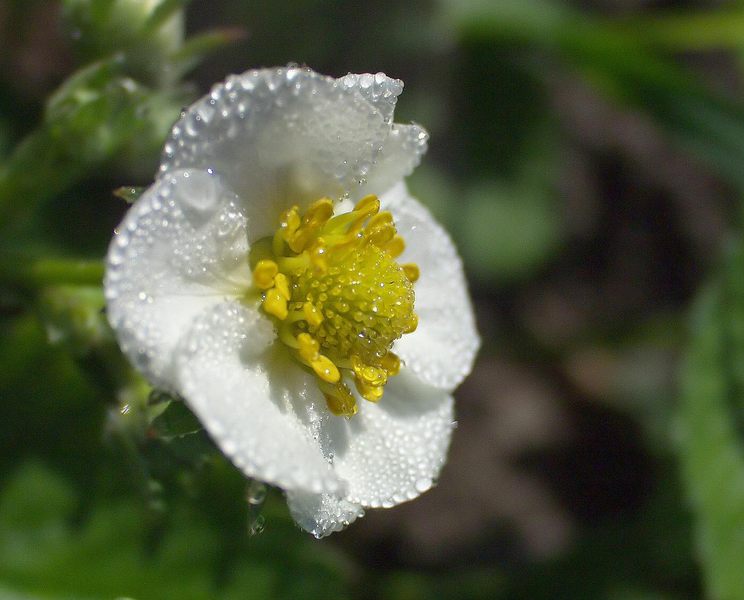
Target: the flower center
pixel 338 296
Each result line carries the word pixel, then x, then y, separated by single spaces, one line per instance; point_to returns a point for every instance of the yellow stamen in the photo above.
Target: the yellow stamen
pixel 395 246
pixel 369 205
pixel 309 346
pixel 312 315
pixel 369 374
pixel 323 366
pixel 325 369
pixel 412 272
pixel 275 304
pixel 281 283
pixel 381 219
pixel 369 392
pixel 264 273
pixel 391 363
pixel 339 399
pixel 318 257
pixel 319 213
pixel 339 298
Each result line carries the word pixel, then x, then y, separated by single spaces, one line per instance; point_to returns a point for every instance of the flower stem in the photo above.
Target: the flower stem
pixel 39 272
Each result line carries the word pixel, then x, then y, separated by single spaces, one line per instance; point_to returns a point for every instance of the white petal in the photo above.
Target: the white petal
pixel 379 89
pixel 391 451
pixel 322 514
pixel 261 409
pixel 399 156
pixel 280 137
pixel 180 248
pixel 442 349
pixel 405 144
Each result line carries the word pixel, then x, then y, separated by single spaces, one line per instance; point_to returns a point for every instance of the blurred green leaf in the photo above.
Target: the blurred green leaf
pixel 91 118
pixel 144 33
pixel 508 231
pixel 711 442
pixel 622 67
pixel 129 193
pixel 73 315
pixel 42 554
pixel 198 47
pixel 709 29
pixel 163 11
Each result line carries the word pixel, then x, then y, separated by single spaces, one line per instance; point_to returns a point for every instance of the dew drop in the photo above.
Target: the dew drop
pixel 256 493
pixel 423 484
pixel 257 525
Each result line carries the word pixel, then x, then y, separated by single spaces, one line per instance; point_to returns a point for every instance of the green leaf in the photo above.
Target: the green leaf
pixel 111 554
pixel 163 12
pixel 689 31
pixel 95 115
pixel 621 65
pixel 129 193
pixel 711 443
pixel 198 47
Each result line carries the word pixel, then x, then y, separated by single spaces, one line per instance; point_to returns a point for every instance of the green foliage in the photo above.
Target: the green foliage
pixel 618 61
pixel 44 554
pixel 710 423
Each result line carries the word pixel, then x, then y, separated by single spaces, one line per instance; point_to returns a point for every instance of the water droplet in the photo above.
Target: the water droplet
pixel 256 493
pixel 257 525
pixel 423 484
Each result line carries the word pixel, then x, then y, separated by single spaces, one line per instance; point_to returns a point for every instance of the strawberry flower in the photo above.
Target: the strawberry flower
pixel 279 277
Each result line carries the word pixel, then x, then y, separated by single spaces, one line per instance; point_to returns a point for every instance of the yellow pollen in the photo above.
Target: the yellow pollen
pixel 339 298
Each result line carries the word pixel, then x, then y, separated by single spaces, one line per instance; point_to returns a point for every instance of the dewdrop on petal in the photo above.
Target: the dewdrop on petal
pixel 311 313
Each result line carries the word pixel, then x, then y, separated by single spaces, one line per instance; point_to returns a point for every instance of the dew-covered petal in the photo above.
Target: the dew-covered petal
pixel 181 247
pixel 280 137
pixel 397 159
pixel 377 88
pixel 322 514
pixel 247 393
pixel 442 349
pixel 405 144
pixel 391 451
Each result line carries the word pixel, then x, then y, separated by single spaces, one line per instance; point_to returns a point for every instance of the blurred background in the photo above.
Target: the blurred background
pixel 588 159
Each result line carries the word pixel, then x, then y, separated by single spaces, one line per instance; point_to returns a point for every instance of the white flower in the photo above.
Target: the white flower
pixel 231 283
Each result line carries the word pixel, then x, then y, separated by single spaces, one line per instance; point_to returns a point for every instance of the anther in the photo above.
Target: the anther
pixel 412 324
pixel 395 246
pixel 318 256
pixel 368 374
pixel 323 366
pixel 281 283
pixel 275 304
pixel 339 399
pixel 264 273
pixel 391 363
pixel 369 392
pixel 312 315
pixel 369 205
pixel 412 272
